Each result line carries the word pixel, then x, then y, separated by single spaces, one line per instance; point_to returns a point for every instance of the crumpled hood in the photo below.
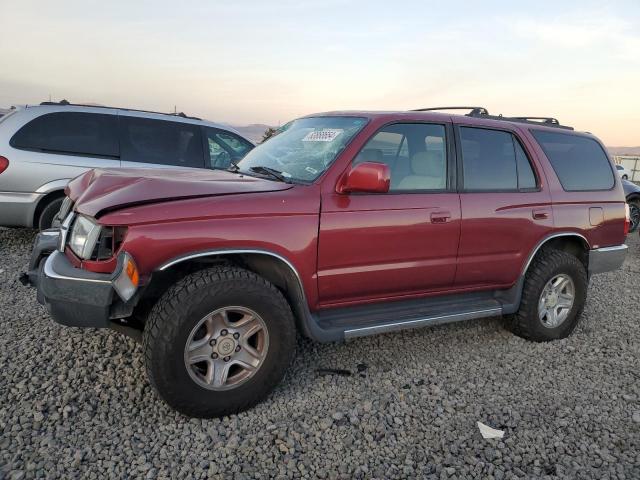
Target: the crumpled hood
pixel 100 190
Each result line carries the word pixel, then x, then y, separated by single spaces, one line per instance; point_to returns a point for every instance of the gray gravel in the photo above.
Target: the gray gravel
pixel 76 403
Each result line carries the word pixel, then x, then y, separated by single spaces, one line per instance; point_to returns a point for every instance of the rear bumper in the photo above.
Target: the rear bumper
pixel 17 209
pixel 606 259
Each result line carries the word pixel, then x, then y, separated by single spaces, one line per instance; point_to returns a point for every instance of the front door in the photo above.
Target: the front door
pixel 404 242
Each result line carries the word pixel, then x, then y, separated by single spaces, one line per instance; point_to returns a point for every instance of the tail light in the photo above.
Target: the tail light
pixel 627 219
pixel 4 163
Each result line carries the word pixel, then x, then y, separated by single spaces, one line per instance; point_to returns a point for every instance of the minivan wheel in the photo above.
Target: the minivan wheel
pixel 49 212
pixel 218 342
pixel 634 215
pixel 553 297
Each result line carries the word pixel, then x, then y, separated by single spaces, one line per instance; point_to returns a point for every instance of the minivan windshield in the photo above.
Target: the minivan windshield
pixel 304 150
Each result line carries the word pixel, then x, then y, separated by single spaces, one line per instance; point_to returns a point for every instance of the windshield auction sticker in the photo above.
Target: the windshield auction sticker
pixel 324 135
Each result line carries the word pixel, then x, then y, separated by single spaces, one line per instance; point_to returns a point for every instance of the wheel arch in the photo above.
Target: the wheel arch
pixel 272 266
pixel 43 202
pixel 570 242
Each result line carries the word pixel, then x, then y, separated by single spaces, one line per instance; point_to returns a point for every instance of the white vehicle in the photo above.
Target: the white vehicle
pixel 44 146
pixel 623 172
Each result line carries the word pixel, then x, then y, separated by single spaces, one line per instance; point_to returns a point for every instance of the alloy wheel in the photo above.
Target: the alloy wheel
pixel 226 348
pixel 556 300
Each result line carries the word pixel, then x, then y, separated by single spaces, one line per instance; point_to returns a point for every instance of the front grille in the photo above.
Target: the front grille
pixel 108 243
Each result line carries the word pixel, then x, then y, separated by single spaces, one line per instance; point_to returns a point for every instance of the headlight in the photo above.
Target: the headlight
pixel 84 236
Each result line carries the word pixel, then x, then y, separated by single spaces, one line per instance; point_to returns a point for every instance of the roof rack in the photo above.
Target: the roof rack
pixel 481 112
pixel 472 110
pixel 66 102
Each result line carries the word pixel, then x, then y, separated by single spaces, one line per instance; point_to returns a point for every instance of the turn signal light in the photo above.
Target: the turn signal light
pixel 4 163
pixel 132 272
pixel 126 281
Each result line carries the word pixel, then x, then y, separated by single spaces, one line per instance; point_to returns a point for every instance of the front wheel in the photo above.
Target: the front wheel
pixel 553 297
pixel 218 342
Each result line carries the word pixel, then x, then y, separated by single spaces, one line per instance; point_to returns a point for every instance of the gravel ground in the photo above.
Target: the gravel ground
pixel 75 403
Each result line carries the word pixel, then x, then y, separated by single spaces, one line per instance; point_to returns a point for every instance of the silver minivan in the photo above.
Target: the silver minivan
pixel 42 147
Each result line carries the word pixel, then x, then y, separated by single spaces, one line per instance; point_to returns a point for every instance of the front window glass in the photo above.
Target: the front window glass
pixel 225 148
pixel 304 150
pixel 415 153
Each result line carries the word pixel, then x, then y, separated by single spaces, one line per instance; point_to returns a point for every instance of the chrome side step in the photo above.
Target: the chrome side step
pixel 421 322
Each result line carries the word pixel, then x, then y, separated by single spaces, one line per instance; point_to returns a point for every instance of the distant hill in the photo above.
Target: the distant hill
pixel 624 150
pixel 253 132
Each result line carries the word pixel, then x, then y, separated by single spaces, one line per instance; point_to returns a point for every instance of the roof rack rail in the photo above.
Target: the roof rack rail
pixel 472 110
pixel 482 112
pixel 66 102
pixel 549 120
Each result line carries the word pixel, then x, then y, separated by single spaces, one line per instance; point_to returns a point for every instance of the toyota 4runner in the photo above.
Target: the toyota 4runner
pixel 344 224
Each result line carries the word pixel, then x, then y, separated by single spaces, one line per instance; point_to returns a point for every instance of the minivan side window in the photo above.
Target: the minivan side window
pixel 494 160
pixel 71 133
pixel 416 154
pixel 148 140
pixel 579 162
pixel 225 147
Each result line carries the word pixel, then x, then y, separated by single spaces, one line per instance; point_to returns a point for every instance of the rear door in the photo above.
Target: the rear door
pixel 404 242
pixel 505 206
pixel 153 143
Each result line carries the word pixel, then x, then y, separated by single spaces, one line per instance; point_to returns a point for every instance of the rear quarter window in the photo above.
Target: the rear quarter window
pixel 579 162
pixel 73 133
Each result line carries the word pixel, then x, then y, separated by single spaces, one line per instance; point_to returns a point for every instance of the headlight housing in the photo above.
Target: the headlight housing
pixel 84 235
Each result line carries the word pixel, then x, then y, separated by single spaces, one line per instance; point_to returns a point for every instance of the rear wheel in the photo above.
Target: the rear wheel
pixel 48 213
pixel 218 342
pixel 553 297
pixel 634 214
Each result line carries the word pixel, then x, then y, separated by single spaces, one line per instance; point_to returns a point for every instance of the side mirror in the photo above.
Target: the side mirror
pixel 366 177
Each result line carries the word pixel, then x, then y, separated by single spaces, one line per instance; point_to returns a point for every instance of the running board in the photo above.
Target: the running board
pixel 353 322
pixel 421 322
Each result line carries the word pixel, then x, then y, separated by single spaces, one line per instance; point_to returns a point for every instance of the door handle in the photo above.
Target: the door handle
pixel 440 217
pixel 539 214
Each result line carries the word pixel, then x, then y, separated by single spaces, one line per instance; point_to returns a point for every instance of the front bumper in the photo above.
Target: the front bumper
pixel 74 297
pixel 606 259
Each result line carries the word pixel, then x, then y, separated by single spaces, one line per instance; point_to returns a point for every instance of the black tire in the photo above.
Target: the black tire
pixel 634 214
pixel 48 213
pixel 549 263
pixel 181 308
pixel 625 177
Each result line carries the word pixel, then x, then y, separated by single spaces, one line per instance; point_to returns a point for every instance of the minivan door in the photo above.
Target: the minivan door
pixel 154 143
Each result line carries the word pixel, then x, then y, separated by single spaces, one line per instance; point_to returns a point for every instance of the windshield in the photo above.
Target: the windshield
pixel 304 150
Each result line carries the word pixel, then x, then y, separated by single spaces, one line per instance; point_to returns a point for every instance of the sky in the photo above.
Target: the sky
pixel 247 61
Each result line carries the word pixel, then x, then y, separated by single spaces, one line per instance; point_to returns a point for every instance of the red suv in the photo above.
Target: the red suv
pixel 345 224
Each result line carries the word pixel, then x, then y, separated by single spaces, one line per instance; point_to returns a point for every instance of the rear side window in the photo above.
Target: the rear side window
pixel 579 162
pixel 72 133
pixel 494 160
pixel 161 142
